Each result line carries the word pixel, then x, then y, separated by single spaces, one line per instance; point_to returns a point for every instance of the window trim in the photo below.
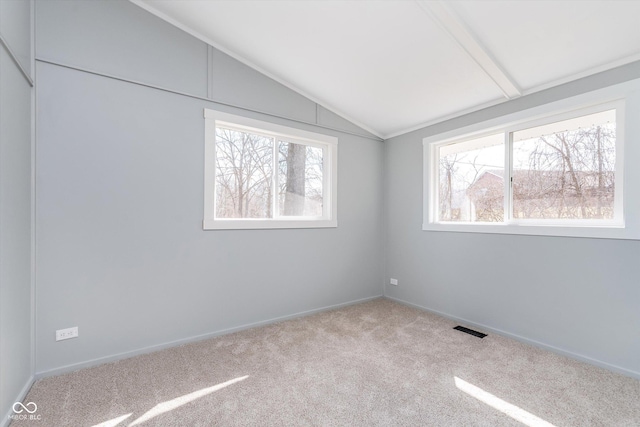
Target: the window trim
pixel 329 145
pixel 624 226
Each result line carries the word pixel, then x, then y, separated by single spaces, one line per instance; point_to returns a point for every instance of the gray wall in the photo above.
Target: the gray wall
pixel 577 296
pixel 15 204
pixel 120 248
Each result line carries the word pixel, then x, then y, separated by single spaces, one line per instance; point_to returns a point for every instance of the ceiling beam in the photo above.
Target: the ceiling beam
pixel 442 15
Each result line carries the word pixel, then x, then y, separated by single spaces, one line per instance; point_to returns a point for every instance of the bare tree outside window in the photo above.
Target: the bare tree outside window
pixel 245 180
pixel 244 168
pixel 567 173
pixel 471 180
pixel 561 170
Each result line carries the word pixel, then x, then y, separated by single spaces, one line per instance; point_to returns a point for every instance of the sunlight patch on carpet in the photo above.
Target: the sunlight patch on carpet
pixel 506 408
pixel 114 422
pixel 172 404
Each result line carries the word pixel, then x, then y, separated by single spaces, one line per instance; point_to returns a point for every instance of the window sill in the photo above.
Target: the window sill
pixel 262 224
pixel 591 231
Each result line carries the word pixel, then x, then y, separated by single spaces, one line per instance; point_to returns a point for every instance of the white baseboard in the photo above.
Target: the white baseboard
pixel 582 358
pixel 153 348
pixel 5 421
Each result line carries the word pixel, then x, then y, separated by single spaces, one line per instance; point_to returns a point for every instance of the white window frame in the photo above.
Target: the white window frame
pixel 626 222
pixel 329 145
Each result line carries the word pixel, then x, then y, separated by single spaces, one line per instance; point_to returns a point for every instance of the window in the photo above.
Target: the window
pixel 557 175
pixel 262 175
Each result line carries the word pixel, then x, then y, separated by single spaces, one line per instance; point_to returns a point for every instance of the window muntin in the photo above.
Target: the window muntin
pixel 262 175
pixel 586 202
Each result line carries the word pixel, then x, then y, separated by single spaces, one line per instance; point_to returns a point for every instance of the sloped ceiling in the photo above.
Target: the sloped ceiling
pixel 394 66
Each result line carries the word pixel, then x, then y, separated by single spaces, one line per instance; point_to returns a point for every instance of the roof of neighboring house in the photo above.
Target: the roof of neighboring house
pixel 535 182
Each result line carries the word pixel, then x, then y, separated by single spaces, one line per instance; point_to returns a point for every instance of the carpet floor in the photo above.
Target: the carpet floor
pixel 378 363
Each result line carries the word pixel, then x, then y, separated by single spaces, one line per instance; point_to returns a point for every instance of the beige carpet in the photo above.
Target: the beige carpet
pixel 373 364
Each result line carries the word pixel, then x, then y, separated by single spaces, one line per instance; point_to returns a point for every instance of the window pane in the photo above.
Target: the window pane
pixel 244 168
pixel 300 180
pixel 471 180
pixel 565 170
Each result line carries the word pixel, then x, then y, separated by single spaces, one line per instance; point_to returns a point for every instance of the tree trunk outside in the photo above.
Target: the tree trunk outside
pixel 295 191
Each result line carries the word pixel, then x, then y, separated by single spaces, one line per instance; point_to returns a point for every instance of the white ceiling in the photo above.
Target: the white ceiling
pixel 394 66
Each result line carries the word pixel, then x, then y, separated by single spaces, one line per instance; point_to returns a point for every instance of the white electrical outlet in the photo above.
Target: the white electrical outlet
pixel 393 282
pixel 65 334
